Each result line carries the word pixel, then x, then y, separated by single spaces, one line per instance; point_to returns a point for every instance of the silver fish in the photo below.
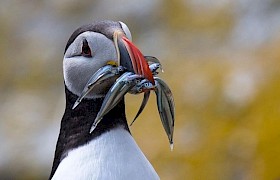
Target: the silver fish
pixel 143 104
pixel 154 67
pixel 153 60
pixel 98 77
pixel 122 85
pixel 134 84
pixel 144 86
pixel 166 108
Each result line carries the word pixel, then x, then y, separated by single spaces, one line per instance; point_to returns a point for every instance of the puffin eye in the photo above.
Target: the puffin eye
pixel 86 52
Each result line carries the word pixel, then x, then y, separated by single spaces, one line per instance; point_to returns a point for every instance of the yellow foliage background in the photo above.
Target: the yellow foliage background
pixel 221 60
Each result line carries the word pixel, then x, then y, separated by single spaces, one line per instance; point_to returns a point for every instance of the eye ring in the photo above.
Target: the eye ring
pixel 86 51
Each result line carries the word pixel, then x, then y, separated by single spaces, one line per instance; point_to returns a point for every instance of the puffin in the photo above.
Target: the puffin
pixel 109 152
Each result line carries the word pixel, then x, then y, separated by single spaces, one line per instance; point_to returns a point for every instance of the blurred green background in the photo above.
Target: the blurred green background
pixel 221 59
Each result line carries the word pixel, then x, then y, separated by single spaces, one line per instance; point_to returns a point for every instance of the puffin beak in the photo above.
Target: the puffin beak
pixel 130 57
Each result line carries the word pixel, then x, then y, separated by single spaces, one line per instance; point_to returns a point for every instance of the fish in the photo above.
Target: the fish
pixel 100 76
pixel 166 108
pixel 116 93
pixel 143 104
pixel 129 82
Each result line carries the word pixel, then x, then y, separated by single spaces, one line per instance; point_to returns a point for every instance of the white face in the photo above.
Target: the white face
pixel 78 67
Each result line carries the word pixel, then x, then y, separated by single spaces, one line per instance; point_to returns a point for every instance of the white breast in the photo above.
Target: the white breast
pixel 114 155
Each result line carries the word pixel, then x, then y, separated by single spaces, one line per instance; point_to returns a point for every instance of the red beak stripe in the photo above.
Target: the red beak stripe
pixel 138 61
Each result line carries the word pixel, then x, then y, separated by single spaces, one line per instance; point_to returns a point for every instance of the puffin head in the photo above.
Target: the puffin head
pixel 95 45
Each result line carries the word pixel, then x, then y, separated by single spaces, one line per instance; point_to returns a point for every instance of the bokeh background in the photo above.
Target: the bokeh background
pixel 221 59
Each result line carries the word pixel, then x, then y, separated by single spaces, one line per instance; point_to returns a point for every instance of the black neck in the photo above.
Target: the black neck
pixel 76 124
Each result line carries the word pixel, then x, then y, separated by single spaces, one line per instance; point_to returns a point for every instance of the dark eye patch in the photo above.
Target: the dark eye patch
pixel 86 51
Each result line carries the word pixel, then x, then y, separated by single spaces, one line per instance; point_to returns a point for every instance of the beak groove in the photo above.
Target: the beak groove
pixel 131 57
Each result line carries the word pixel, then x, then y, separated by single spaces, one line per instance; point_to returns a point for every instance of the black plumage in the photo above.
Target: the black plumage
pixel 105 27
pixel 75 124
